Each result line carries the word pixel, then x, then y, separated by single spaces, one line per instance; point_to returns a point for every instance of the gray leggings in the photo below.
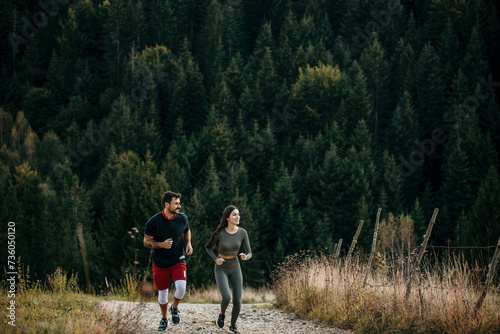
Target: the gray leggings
pixel 230 271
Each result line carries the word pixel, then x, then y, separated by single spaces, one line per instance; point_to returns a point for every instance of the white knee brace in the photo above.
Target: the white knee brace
pixel 163 296
pixel 180 289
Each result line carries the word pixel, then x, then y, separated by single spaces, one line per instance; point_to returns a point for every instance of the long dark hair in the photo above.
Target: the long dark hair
pixel 223 224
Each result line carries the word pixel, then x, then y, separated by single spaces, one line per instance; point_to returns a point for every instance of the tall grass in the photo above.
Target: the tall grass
pixel 330 291
pixel 59 306
pixel 55 307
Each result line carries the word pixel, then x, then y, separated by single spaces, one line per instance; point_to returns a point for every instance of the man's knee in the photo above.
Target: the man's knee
pixel 180 289
pixel 163 296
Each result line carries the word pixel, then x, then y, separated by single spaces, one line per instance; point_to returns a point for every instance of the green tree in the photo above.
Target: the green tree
pixel 235 77
pixel 314 96
pixel 35 227
pixel 402 69
pixel 126 194
pixel 376 68
pixel 393 185
pixel 429 89
pixel 188 98
pixel 55 82
pixel 216 139
pixel 38 108
pixel 482 228
pixel 266 80
pixel 358 101
pixel 420 223
pixel 474 63
pixel 330 182
pixel 281 198
pixel 448 50
pixel 455 192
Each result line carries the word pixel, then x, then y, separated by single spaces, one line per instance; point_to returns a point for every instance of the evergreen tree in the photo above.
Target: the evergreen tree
pixel 258 152
pixel 121 133
pixel 358 101
pixel 489 121
pixel 482 228
pixel 429 88
pixel 478 145
pixel 216 139
pixel 376 69
pixel 448 50
pixel 251 271
pixel 35 242
pixel 402 67
pixel 455 191
pixel 188 98
pixel 55 82
pixel 252 104
pixel 234 77
pixel 39 109
pixel 281 198
pixel 402 137
pixel 394 184
pixel 311 218
pixel 474 63
pixel 287 45
pixel 266 80
pixel 419 221
pixel 314 96
pixel 127 193
pixel 263 43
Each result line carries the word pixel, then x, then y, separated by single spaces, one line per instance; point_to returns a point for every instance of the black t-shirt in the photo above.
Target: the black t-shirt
pixel 161 229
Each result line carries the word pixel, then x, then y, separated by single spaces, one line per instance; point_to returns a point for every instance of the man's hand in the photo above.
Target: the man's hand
pixel 189 249
pixel 167 243
pixel 150 242
pixel 187 239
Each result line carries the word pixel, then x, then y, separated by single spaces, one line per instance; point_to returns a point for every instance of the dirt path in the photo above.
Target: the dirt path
pixel 144 318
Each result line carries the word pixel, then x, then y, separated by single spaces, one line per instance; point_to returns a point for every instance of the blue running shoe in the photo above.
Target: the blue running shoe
pixel 175 315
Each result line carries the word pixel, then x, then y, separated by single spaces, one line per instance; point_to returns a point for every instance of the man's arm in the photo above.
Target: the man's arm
pixel 150 242
pixel 187 239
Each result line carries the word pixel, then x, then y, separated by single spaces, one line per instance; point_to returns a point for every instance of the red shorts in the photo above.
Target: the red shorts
pixel 161 277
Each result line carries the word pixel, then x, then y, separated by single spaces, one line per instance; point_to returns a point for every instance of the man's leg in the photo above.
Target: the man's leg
pixel 163 301
pixel 180 291
pixel 179 277
pixel 161 282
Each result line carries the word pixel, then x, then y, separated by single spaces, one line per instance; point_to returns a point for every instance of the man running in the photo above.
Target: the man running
pixel 164 234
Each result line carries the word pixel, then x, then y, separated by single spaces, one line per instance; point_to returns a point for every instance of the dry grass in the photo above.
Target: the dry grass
pixel 331 291
pixel 212 295
pixel 58 308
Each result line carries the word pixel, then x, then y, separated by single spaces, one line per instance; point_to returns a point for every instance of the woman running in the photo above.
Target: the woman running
pixel 228 237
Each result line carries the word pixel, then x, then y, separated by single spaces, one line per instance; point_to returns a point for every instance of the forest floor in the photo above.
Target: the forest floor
pixel 141 318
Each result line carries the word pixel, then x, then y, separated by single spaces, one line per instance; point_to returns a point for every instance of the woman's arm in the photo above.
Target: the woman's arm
pixel 210 251
pixel 248 250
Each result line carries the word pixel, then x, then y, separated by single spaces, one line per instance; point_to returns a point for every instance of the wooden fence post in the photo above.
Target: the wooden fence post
pixel 337 250
pixel 489 278
pixel 354 241
pixel 421 252
pixel 374 245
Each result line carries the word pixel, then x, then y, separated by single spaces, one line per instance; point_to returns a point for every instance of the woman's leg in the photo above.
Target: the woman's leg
pixel 236 279
pixel 223 285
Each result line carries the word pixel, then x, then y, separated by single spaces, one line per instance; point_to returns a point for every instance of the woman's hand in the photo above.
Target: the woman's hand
pixel 219 261
pixel 243 256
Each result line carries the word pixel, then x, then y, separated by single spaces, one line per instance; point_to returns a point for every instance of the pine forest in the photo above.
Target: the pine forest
pixel 307 115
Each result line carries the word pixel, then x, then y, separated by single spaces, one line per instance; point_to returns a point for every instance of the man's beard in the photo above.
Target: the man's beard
pixel 172 212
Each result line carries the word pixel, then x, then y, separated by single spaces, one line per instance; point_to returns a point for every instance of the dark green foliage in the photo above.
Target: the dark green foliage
pixel 308 115
pixel 481 227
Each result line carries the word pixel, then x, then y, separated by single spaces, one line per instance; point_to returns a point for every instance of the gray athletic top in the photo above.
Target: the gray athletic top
pixel 229 244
